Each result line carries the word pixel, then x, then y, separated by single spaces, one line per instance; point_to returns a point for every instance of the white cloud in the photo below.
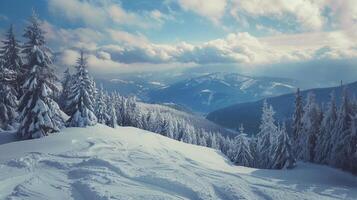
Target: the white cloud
pixel 75 10
pixel 308 13
pixel 103 13
pixel 127 38
pixel 83 38
pixel 212 9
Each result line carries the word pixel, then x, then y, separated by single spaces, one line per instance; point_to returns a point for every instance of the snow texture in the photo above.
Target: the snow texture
pixel 127 163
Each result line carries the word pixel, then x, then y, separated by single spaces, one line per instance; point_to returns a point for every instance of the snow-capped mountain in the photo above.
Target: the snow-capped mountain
pixel 103 163
pixel 216 90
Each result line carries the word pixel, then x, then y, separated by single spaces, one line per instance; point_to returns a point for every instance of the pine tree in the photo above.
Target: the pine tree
pixel 297 125
pixel 311 128
pixel 39 114
pixel 324 140
pixel 243 155
pixel 81 98
pixel 266 136
pixel 283 156
pixel 10 54
pixel 101 110
pixel 352 151
pixel 8 100
pixel 66 86
pixel 253 147
pixel 342 136
pixel 112 119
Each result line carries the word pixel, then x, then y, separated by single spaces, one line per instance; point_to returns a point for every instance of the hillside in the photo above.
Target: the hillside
pixel 128 163
pixel 249 113
pixel 197 121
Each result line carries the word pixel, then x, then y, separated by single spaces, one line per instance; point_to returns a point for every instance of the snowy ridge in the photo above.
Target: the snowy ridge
pixel 225 89
pixel 128 163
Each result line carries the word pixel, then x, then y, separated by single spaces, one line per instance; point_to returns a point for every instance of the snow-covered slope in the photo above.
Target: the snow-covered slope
pixel 128 163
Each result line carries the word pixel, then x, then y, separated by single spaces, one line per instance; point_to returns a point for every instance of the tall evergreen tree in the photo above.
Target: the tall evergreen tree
pixel 266 136
pixel 81 98
pixel 10 54
pixel 352 151
pixel 8 99
pixel 342 136
pixel 311 128
pixel 101 109
pixel 324 140
pixel 67 81
pixel 283 156
pixel 243 155
pixel 297 125
pixel 112 117
pixel 39 114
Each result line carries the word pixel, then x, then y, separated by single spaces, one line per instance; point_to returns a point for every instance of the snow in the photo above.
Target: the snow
pixel 157 83
pixel 128 163
pixel 247 84
pixel 275 84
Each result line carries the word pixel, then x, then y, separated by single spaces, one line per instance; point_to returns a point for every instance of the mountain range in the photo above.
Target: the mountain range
pixel 249 113
pixel 200 92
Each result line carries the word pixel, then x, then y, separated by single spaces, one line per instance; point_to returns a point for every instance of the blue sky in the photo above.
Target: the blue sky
pixel 145 35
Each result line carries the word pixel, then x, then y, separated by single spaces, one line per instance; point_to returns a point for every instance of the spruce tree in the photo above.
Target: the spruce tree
pixel 311 128
pixel 297 125
pixel 39 113
pixel 342 136
pixel 8 99
pixel 112 117
pixel 101 110
pixel 243 155
pixel 283 156
pixel 266 136
pixel 10 54
pixel 324 140
pixel 81 98
pixel 67 81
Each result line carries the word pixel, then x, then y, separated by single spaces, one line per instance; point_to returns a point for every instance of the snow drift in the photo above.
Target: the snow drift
pixel 128 163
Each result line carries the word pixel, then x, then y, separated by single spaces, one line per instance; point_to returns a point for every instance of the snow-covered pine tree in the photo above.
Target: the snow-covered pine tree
pixel 101 110
pixel 283 156
pixel 39 113
pixel 297 125
pixel 324 140
pixel 8 99
pixel 112 116
pixel 266 135
pixel 81 97
pixel 253 147
pixel 202 138
pixel 353 150
pixel 214 143
pixel 10 54
pixel 66 86
pixel 311 128
pixel 342 135
pixel 243 155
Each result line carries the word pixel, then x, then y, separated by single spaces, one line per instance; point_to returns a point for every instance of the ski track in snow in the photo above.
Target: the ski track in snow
pixel 127 163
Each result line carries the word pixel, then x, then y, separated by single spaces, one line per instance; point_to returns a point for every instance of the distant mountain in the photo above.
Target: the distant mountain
pixel 140 84
pixel 249 113
pixel 217 90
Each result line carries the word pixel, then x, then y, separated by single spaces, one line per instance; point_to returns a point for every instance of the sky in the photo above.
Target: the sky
pixel 263 37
